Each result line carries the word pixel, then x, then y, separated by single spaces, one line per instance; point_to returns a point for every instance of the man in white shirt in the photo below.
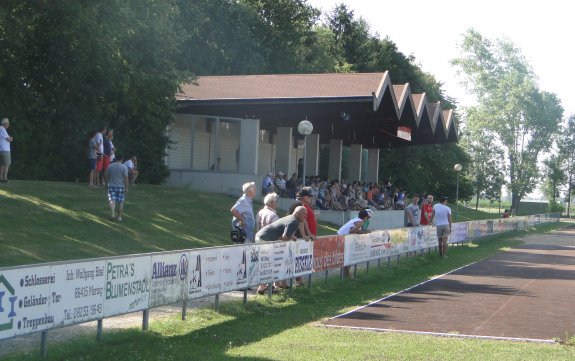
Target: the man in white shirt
pixel 132 165
pixel 5 157
pixel 441 217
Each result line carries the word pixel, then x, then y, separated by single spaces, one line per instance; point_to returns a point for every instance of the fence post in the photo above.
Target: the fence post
pixel 378 264
pixel 326 275
pixel 145 319
pixel 367 268
pixel 217 303
pixel 43 344
pixel 245 296
pixel 99 330
pixel 184 310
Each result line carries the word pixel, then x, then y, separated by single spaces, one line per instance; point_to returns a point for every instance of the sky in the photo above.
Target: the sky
pixel 432 30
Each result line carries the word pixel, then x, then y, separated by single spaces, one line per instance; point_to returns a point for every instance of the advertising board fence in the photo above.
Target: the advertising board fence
pixel 42 297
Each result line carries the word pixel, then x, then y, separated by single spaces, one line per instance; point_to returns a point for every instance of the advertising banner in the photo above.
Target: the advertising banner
pixel 127 285
pixel 78 292
pixel 233 270
pixel 210 271
pixel 266 262
pixel 431 236
pixel 458 233
pixel 283 260
pixel 25 300
pixel 169 278
pixel 195 289
pixel 380 244
pixel 499 226
pixel 398 238
pixel 303 257
pixel 253 270
pixel 357 247
pixel 328 253
pixel 416 239
pixel 473 230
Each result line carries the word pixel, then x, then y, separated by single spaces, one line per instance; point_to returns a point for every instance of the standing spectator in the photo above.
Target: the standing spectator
pixel 268 184
pixel 304 197
pixel 412 212
pixel 99 140
pixel 300 171
pixel 132 165
pixel 265 216
pixel 505 214
pixel 441 217
pixel 280 184
pixel 243 211
pixel 92 159
pixel 118 182
pixel 107 146
pixel 5 154
pixel 426 210
pixel 268 213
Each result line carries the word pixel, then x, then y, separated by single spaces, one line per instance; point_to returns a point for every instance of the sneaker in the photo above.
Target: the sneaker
pixel 119 219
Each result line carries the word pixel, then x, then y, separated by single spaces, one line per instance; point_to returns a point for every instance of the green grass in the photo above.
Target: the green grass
pixel 50 221
pixel 44 221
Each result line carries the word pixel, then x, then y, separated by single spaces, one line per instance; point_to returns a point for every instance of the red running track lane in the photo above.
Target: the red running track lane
pixel 525 293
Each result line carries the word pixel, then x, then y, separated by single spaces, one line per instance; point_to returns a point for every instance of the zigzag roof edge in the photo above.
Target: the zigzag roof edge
pixel 449 123
pixel 407 97
pixel 384 84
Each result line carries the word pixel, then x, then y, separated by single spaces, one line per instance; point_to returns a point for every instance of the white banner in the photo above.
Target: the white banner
pixel 357 249
pixel 303 253
pixel 168 278
pixel 233 271
pixel 209 263
pixel 266 262
pixel 283 260
pixel 253 271
pixel 127 285
pixel 380 244
pixel 25 300
pixel 458 233
pixel 78 292
pixel 416 238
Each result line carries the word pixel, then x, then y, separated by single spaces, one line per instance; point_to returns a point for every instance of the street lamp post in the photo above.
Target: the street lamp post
pixel 304 128
pixel 457 168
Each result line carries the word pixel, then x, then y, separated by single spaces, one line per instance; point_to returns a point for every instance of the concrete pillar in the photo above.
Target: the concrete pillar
pixel 355 162
pixel 335 148
pixel 283 149
pixel 247 156
pixel 312 155
pixel 373 165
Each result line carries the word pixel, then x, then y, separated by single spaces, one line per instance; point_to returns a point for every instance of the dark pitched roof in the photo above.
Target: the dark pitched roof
pixel 376 106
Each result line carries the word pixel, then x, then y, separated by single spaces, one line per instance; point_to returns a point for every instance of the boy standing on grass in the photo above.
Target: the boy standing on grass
pixel 118 182
pixel 5 159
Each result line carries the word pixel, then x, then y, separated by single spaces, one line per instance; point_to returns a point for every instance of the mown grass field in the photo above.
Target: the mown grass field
pixel 44 221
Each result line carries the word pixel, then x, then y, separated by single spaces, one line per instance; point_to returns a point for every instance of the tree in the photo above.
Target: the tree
pixel 554 177
pixel 487 166
pixel 515 113
pixel 77 65
pixel 566 152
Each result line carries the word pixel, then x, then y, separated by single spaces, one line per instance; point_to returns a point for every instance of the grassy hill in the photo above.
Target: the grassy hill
pixel 51 221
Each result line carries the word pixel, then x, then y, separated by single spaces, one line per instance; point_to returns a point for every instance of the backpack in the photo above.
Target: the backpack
pixel 238 233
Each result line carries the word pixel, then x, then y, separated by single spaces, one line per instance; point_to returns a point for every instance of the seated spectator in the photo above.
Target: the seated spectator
pixel 280 185
pixel 132 165
pixel 268 184
pixel 505 214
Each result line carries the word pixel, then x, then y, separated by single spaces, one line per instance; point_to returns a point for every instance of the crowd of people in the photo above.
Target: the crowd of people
pixel 300 222
pixel 337 195
pixel 107 168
